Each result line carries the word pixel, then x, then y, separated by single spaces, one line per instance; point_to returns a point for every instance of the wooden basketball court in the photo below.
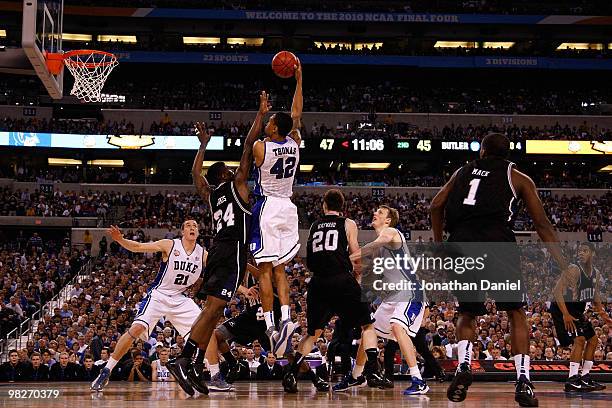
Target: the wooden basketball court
pixel 269 394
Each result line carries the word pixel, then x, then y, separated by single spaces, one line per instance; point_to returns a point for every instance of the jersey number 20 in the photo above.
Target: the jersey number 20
pixel 327 240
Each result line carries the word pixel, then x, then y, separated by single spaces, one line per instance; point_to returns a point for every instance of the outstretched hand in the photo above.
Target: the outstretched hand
pixel 202 133
pixel 298 70
pixel 264 104
pixel 115 233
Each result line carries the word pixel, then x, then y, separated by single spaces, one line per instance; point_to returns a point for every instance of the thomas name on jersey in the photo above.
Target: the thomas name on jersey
pixel 279 151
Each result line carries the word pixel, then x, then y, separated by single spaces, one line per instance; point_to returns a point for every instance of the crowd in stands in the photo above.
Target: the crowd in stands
pixel 89 174
pixel 168 210
pixel 32 271
pixel 56 204
pixel 379 126
pixel 421 6
pixel 181 90
pixel 73 342
pixel 568 177
pixel 566 213
pixel 376 95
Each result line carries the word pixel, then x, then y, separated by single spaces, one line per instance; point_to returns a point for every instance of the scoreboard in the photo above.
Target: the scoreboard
pixel 347 147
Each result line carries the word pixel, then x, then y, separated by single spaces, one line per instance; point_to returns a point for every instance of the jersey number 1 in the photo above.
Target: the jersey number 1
pixel 471 197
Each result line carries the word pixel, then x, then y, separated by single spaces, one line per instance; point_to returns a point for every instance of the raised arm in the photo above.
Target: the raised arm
pixel 201 185
pixel 242 174
pixel 298 104
pixel 164 245
pixel 438 204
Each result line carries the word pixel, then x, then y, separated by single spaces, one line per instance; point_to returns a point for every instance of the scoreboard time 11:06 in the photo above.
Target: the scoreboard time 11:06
pixel 400 146
pixel 382 146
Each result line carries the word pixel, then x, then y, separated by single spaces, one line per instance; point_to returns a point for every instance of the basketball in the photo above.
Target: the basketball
pixel 283 64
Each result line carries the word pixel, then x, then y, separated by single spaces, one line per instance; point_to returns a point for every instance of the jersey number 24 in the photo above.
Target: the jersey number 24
pixel 219 217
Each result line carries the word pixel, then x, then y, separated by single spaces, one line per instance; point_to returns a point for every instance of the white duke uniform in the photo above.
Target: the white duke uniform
pixel 165 296
pixel 163 374
pixel 274 228
pixel 405 307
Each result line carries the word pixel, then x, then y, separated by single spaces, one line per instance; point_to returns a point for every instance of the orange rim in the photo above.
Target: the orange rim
pixel 67 56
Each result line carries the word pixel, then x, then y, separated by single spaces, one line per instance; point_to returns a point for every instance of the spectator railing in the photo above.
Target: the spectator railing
pixel 15 338
pixel 64 294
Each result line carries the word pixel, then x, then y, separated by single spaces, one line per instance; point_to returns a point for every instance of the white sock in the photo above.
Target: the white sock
pixel 414 372
pixel 111 363
pixel 521 362
pixel 574 368
pixel 586 367
pixel 284 312
pixel 269 317
pixel 214 369
pixel 357 370
pixel 464 352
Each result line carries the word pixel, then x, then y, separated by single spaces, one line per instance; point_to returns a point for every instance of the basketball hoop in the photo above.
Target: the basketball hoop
pixel 90 69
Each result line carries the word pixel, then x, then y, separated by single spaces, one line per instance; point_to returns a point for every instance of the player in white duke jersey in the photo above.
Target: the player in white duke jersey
pixel 159 367
pixel 400 314
pixel 274 231
pixel 183 260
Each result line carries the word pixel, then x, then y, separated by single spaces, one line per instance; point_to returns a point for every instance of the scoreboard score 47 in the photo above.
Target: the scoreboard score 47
pixel 380 147
pixel 383 145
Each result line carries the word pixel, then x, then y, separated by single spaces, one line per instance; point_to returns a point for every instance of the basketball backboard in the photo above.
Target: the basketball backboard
pixel 42 33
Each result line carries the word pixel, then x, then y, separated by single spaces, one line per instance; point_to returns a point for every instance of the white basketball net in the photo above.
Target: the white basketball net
pixel 90 72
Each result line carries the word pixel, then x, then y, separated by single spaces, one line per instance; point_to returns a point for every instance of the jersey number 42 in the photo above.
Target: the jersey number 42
pixel 283 168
